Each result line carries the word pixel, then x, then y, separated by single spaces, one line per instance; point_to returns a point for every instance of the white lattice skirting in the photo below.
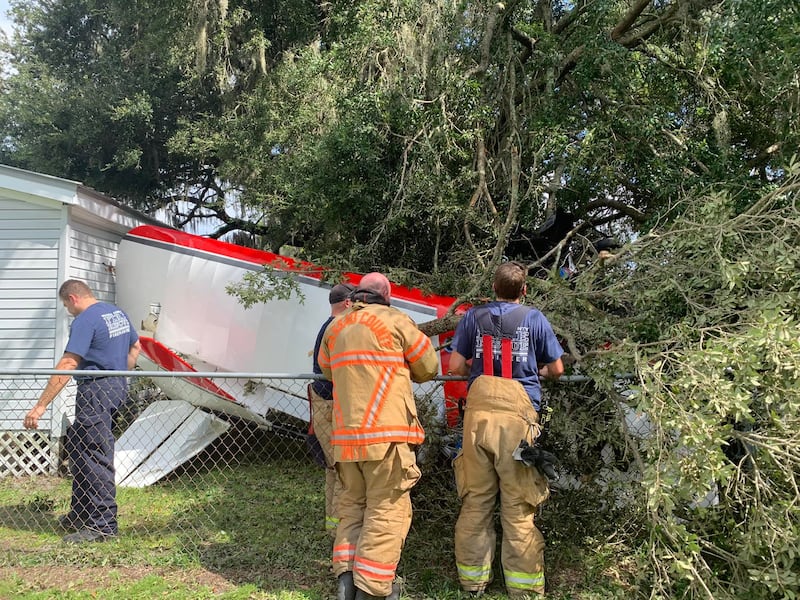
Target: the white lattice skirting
pixel 27 453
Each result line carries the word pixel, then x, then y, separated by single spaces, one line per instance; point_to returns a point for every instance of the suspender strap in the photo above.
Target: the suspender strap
pixel 505 357
pixel 488 357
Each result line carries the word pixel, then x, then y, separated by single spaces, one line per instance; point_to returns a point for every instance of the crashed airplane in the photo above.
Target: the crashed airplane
pixel 173 285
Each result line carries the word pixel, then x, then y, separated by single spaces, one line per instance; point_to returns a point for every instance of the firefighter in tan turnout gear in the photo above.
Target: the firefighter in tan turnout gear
pixel 510 347
pixel 372 354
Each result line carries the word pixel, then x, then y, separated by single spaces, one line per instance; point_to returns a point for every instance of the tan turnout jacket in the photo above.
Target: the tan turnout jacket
pixel 372 354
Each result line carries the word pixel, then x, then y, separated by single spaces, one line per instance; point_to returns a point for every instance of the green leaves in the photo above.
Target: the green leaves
pixel 265 286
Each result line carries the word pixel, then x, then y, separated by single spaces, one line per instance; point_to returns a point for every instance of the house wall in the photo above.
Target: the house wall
pixel 30 262
pixel 92 258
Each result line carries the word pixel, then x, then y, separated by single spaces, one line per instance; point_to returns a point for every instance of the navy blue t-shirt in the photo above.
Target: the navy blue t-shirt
pixel 102 336
pixel 534 343
pixel 323 387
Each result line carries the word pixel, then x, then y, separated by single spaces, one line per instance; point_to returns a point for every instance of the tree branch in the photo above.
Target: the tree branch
pixel 765 155
pixel 442 325
pixel 629 19
pixel 556 250
pixel 569 18
pixel 625 209
pixel 486 42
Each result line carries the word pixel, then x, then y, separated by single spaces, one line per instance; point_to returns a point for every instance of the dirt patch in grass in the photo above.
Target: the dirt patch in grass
pixel 89 579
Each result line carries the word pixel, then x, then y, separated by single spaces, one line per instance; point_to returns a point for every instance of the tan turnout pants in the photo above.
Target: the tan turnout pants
pixel 322 421
pixel 498 415
pixel 374 517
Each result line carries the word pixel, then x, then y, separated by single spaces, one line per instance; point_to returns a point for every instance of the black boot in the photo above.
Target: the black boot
pixel 362 595
pixel 394 595
pixel 347 589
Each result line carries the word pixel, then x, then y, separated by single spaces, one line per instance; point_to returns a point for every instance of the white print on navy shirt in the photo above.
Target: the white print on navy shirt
pixel 117 323
pixel 520 344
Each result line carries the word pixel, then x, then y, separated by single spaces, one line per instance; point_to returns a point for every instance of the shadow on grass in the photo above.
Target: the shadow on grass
pixel 33 504
pixel 24 517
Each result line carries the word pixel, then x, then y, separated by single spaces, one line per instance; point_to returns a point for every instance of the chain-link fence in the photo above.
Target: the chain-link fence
pixel 218 471
pixel 163 462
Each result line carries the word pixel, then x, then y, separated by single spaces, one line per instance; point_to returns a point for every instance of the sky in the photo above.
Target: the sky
pixel 5 24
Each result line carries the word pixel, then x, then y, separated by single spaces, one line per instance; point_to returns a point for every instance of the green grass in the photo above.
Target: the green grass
pixel 256 531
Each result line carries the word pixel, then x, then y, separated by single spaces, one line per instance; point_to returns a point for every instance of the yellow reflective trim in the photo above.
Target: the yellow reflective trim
pixel 519 580
pixel 478 574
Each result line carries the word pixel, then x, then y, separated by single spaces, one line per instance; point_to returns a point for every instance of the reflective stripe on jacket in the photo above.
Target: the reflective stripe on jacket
pixel 372 353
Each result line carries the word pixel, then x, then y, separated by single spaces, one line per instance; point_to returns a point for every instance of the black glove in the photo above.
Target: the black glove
pixel 533 456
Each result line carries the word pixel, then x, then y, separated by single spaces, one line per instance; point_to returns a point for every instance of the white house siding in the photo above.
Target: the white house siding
pixel 93 254
pixel 29 270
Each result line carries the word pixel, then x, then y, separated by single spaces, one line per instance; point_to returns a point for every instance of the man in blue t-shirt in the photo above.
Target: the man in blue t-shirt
pixel 505 348
pixel 101 338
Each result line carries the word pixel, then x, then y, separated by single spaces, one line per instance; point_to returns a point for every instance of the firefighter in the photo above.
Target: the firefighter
pixel 372 354
pixel 320 393
pixel 101 338
pixel 505 348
